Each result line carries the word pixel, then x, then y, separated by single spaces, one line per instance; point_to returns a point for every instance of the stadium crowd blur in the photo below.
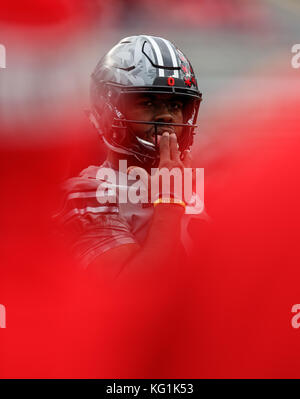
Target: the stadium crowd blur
pixel 230 314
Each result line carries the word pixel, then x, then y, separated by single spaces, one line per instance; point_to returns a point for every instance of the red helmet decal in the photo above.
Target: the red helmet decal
pixel 171 81
pixel 188 82
pixel 184 68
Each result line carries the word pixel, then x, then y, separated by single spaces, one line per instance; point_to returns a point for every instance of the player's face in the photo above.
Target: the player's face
pixel 154 108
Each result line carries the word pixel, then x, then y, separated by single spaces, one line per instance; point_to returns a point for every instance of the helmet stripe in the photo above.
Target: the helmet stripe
pixel 168 62
pixel 159 57
pixel 173 56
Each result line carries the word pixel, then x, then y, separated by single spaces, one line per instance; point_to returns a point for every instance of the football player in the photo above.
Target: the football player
pixel 144 105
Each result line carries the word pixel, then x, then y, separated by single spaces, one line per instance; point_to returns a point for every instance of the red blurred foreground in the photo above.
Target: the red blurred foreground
pixel 227 314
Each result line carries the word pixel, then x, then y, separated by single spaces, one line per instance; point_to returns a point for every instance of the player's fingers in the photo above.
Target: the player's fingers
pixel 174 152
pixel 187 159
pixel 164 147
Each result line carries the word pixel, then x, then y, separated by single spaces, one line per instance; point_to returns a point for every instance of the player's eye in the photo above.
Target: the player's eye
pixel 177 105
pixel 146 103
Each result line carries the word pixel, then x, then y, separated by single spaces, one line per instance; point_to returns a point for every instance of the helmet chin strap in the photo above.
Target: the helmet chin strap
pixel 147 153
pixel 117 149
pixel 146 143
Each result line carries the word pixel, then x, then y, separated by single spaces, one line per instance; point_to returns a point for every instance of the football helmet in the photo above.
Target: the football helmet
pixel 141 65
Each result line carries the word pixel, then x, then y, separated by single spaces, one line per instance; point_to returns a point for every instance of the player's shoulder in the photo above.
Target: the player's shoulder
pixel 80 195
pixel 85 181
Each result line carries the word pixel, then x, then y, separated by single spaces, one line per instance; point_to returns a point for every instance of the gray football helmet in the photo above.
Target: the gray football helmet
pixel 141 65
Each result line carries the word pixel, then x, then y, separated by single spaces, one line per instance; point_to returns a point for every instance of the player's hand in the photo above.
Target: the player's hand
pixel 169 159
pixel 169 153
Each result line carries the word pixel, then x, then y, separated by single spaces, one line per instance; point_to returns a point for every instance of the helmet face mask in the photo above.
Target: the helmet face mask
pixel 129 71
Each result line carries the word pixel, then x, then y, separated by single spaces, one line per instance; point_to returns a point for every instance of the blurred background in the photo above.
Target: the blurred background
pixel 241 51
pixel 244 264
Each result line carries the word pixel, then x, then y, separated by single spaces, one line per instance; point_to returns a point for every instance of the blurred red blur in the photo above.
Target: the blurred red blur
pixel 45 12
pixel 228 313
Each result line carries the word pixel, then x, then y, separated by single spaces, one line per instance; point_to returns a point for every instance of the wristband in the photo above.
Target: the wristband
pixel 169 201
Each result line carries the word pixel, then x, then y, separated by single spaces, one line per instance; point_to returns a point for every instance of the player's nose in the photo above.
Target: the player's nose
pixel 164 116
